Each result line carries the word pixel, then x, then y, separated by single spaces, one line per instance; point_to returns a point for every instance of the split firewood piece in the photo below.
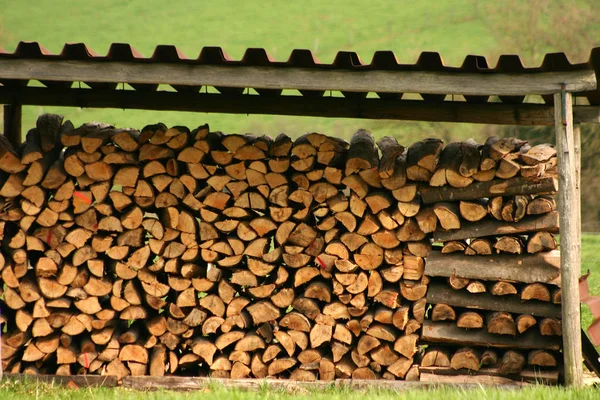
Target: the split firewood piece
pixel 512 362
pixel 413 290
pixel 473 210
pixel 503 288
pixel 508 167
pixel 550 327
pixel 538 154
pixel 454 246
pixel 410 231
pixel 398 178
pixel 470 320
pixel 556 296
pixel 495 207
pixel 413 267
pixel 476 287
pixel 466 358
pixel 501 323
pixel 541 205
pixel 448 215
pixel 525 322
pixel 486 162
pixel 449 160
pixel 407 345
pixel 537 291
pixel 479 246
pixel 401 368
pixel 390 151
pixel 456 282
pixel 541 241
pixel 362 153
pixel 422 159
pixel 541 358
pixel 436 357
pixel 443 312
pixel 502 147
pixel 489 357
pixel 426 219
pixel 369 257
pixel 509 244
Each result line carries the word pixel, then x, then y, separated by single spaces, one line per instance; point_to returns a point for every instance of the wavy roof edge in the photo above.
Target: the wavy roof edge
pixel 303 58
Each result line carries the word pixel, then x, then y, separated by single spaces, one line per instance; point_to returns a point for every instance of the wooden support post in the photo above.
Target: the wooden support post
pixel 570 237
pixel 12 123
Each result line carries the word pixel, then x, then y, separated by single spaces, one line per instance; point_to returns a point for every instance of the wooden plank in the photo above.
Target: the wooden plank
pixel 277 77
pixel 12 123
pixel 527 375
pixel 441 293
pixel 497 187
pixel 526 268
pixel 79 380
pixel 570 236
pixel 331 107
pixel 448 332
pixel 493 227
pixel 182 383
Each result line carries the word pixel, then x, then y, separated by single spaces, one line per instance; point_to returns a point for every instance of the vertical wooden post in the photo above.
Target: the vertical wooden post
pixel 570 237
pixel 12 123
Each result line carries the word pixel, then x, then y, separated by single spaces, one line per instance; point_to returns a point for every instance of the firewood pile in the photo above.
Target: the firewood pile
pixel 495 272
pixel 170 251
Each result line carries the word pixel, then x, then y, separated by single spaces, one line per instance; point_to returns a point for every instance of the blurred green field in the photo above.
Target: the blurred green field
pixel 454 28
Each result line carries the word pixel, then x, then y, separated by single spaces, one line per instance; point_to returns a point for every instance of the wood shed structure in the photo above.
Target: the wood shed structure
pixel 474 92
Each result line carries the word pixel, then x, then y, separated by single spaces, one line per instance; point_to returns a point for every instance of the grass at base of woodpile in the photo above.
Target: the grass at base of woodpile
pixel 10 390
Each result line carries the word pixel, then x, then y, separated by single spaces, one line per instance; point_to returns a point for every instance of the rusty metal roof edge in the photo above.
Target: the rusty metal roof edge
pixel 303 58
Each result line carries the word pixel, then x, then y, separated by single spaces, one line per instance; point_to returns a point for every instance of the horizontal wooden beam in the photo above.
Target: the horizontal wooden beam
pixel 493 227
pixel 332 107
pixel 438 292
pixel 487 376
pixel 79 380
pixel 277 77
pixel 528 268
pixel 448 332
pixel 181 383
pixel 496 187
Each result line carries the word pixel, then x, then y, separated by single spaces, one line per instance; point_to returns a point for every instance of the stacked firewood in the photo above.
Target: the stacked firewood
pixel 444 364
pixel 170 251
pixel 496 272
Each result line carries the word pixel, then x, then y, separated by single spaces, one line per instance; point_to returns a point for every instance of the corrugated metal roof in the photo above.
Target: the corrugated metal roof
pixel 301 58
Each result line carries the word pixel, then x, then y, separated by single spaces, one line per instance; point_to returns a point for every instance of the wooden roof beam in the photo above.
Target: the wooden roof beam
pixel 332 107
pixel 356 80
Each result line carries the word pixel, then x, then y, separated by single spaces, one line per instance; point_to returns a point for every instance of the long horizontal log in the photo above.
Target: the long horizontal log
pixel 447 374
pixel 441 293
pixel 490 227
pixel 448 332
pixel 79 380
pixel 274 77
pixel 332 107
pixel 540 267
pixel 195 383
pixel 497 187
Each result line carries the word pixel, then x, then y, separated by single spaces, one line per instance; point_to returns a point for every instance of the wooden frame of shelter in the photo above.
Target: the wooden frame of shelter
pixel 557 80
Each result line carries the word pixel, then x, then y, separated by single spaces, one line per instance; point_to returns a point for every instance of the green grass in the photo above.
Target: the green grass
pixel 454 28
pixel 17 390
